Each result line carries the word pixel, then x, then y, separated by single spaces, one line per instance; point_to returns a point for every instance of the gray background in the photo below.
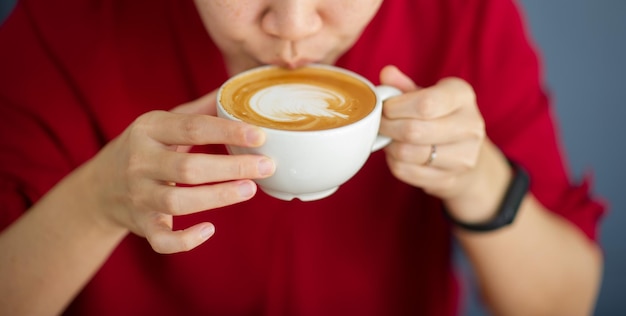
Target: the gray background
pixel 583 46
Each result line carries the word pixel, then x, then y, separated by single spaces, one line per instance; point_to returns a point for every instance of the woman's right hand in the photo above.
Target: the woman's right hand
pixel 136 173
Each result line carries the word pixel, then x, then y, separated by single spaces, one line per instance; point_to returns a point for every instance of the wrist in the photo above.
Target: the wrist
pixel 86 183
pixel 507 208
pixel 483 189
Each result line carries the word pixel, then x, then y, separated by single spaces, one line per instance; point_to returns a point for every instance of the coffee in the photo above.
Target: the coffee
pixel 305 99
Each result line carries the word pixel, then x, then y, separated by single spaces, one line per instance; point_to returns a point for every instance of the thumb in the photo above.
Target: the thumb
pixel 392 76
pixel 204 105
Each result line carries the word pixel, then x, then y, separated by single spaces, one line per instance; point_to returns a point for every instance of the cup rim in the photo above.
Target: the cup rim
pixel 348 72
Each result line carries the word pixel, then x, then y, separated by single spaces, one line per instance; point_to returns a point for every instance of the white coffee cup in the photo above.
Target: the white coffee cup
pixel 312 164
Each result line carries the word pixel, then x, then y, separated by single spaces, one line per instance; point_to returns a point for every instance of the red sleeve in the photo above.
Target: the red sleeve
pixel 505 70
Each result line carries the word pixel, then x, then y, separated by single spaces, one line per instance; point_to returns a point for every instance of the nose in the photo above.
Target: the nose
pixel 292 20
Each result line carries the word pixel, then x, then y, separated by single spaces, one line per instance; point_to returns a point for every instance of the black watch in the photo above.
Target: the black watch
pixel 508 207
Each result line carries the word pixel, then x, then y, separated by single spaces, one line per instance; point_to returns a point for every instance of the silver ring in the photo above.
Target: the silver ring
pixel 432 156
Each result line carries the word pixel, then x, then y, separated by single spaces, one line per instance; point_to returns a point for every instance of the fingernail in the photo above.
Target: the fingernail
pixel 246 189
pixel 207 231
pixel 266 167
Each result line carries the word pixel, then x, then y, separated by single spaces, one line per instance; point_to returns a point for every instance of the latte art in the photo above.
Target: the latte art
pixel 304 99
pixel 296 102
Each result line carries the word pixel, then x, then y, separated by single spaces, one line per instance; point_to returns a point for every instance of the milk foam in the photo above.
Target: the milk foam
pixel 295 102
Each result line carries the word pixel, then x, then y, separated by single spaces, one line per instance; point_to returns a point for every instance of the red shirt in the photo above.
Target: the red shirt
pixel 74 74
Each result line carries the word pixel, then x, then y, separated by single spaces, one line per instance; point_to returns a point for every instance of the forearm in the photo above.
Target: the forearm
pixel 53 250
pixel 539 265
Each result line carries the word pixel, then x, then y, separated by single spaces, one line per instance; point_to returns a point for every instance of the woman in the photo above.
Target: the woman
pixel 92 143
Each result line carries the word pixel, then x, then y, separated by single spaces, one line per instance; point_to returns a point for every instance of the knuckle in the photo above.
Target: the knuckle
pixel 136 164
pixel 224 196
pixel 237 132
pixel 170 201
pixel 135 196
pixel 403 171
pixel 158 248
pixel 187 170
pixel 142 123
pixel 414 130
pixel 460 84
pixel 472 130
pixel 157 244
pixel 134 199
pixel 185 243
pixel 466 88
pixel 478 132
pixel 244 168
pixel 467 164
pixel 403 151
pixel 392 151
pixel 241 169
pixel 171 242
pixel 234 133
pixel 390 158
pixel 428 103
pixel 397 171
pixel 192 129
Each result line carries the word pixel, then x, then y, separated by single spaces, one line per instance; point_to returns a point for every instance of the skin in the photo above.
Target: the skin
pixel 539 265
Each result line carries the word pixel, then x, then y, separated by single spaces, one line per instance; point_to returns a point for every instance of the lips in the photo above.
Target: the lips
pixel 291 64
pixel 273 53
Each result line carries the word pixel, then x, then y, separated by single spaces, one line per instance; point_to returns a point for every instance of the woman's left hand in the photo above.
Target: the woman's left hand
pixel 439 140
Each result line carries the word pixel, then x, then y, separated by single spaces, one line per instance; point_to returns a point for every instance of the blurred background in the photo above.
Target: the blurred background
pixel 583 46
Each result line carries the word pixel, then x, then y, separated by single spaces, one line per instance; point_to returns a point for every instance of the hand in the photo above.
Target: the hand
pixel 444 115
pixel 136 173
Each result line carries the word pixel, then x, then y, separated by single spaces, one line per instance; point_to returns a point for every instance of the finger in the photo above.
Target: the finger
pixel 163 240
pixel 392 76
pixel 434 181
pixel 454 158
pixel 409 153
pixel 203 168
pixel 440 100
pixel 175 200
pixel 441 131
pixel 185 129
pixel 206 104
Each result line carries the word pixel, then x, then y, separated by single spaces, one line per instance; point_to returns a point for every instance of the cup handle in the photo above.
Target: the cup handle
pixel 384 93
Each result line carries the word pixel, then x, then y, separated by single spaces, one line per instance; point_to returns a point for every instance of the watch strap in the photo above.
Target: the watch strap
pixel 507 211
